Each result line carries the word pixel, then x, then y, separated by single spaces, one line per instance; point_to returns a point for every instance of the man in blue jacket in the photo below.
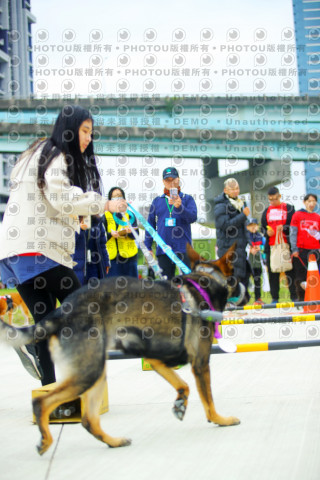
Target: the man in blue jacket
pixel 171 214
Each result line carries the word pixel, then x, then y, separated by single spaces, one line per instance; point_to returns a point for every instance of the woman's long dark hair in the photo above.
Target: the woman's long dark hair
pixel 82 169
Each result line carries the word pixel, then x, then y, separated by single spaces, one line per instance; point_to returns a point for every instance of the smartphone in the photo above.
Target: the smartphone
pixel 173 193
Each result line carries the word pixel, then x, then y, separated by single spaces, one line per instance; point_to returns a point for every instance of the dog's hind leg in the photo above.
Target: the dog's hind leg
pixel 91 418
pixel 202 377
pixel 181 402
pixel 44 405
pixel 83 368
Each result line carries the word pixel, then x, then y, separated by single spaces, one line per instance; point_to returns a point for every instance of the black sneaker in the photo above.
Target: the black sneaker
pixel 30 361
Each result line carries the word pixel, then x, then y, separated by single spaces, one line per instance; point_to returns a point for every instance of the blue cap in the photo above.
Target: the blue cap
pixel 170 172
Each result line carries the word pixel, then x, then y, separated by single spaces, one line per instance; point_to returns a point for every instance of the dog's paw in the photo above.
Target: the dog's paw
pixel 229 421
pixel 42 447
pixel 179 408
pixel 126 442
pixel 119 442
pixel 235 421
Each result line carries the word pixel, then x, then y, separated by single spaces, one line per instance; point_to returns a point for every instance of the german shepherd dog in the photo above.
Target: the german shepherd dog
pixel 144 318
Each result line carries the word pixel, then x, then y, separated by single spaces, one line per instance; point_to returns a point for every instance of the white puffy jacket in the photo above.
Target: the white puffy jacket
pixel 44 222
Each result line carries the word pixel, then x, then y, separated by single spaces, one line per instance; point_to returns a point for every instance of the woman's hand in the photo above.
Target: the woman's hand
pixel 124 231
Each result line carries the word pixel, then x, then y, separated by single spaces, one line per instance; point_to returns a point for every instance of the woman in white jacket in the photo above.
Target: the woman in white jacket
pixel 54 182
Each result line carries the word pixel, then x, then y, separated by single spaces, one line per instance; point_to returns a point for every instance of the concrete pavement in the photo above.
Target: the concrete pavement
pixel 276 395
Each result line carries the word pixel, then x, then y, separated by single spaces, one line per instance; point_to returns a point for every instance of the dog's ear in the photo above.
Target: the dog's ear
pixel 193 256
pixel 225 262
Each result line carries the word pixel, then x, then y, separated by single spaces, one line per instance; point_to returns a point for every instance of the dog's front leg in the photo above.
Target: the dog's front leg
pixel 202 377
pixel 181 402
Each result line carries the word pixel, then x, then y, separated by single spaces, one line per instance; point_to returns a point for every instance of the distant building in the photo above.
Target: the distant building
pixel 307 30
pixel 7 160
pixel 16 76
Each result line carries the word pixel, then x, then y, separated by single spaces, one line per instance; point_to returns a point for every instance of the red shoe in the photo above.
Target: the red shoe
pixel 259 302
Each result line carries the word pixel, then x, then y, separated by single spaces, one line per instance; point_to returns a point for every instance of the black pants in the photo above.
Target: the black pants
pixel 245 281
pixel 300 266
pixel 274 280
pixel 40 295
pixel 169 267
pixel 256 272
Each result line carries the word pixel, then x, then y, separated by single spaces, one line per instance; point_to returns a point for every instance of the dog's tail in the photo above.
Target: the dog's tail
pixel 16 337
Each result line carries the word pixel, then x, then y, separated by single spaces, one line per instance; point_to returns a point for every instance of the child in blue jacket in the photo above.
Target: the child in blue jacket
pixel 256 245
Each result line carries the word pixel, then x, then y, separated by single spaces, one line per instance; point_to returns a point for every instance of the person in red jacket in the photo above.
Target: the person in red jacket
pixel 304 230
pixel 277 218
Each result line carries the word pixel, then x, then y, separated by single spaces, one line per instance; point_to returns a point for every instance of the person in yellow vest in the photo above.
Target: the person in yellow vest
pixel 121 246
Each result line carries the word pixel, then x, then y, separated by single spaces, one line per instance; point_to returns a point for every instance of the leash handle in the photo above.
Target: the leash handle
pixel 124 221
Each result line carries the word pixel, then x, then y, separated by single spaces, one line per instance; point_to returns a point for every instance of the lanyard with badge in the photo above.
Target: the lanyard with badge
pixel 169 221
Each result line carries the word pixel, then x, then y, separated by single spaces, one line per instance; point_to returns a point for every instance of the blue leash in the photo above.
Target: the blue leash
pixel 209 315
pixel 151 260
pixel 156 237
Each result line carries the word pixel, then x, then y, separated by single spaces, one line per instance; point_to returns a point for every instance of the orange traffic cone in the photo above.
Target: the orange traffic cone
pixel 313 285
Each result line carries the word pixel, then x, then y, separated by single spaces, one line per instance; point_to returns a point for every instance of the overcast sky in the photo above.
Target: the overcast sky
pixel 172 47
pixel 167 47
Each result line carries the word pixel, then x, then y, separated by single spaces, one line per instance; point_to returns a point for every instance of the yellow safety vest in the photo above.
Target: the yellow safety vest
pixel 127 247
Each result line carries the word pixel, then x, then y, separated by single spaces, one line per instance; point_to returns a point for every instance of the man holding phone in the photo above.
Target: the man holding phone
pixel 171 214
pixel 230 213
